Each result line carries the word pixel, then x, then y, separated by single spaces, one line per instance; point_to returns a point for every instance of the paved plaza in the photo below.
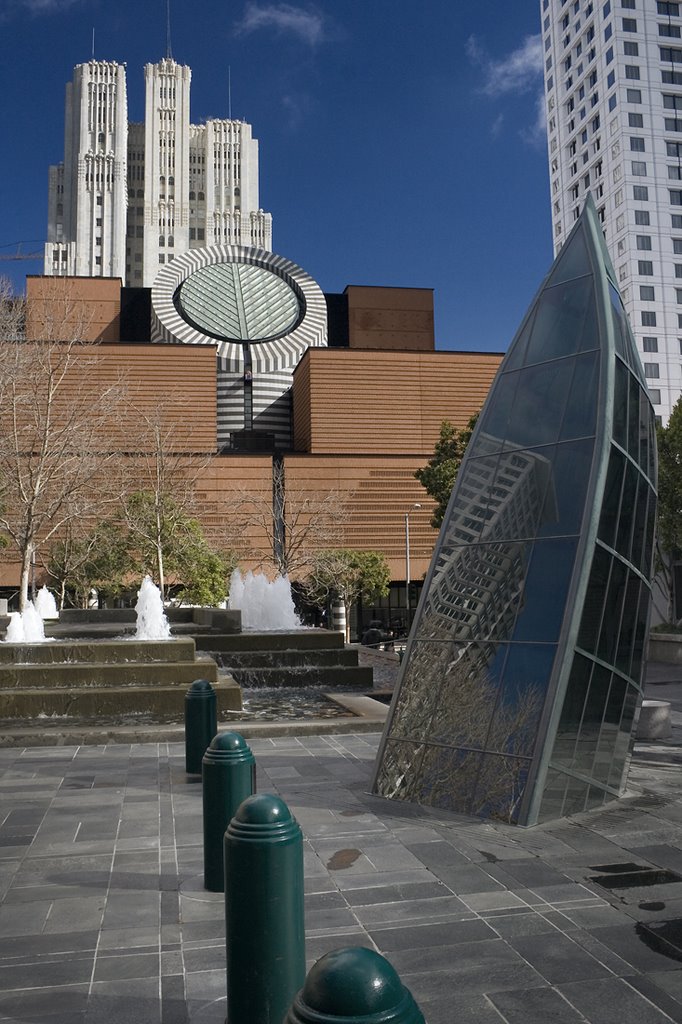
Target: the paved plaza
pixel 104 918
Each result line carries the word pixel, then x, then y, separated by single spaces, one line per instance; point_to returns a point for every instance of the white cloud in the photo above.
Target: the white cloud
pixel 536 134
pixel 38 6
pixel 518 71
pixel 305 23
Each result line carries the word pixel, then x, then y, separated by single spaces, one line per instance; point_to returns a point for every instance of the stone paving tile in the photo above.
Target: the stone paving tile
pixel 483 922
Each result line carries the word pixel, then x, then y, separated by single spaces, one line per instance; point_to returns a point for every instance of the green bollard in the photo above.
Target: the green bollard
pixel 353 986
pixel 264 925
pixel 228 772
pixel 201 723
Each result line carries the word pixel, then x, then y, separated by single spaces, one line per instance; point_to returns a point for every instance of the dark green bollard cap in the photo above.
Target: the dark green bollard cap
pixel 353 986
pixel 228 746
pixel 200 688
pixel 262 817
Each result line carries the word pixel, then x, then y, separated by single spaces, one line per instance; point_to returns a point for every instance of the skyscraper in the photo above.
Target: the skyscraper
pixel 188 186
pixel 613 88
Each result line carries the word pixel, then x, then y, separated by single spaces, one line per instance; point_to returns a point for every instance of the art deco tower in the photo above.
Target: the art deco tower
pixel 87 193
pixel 188 186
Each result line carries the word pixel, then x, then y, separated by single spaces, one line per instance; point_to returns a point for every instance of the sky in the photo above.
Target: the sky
pixel 401 143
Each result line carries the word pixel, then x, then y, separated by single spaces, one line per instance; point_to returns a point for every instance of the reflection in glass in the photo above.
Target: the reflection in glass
pixel 518 693
pixel 560 320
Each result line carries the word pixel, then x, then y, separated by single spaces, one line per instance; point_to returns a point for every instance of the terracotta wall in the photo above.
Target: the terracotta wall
pixel 385 402
pixel 63 308
pixel 378 491
pixel 390 318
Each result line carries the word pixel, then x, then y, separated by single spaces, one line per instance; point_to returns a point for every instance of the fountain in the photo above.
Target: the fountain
pixel 25 627
pixel 265 604
pixel 45 604
pixel 152 623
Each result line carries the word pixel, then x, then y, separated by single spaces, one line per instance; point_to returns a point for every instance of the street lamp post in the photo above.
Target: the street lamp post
pixel 412 508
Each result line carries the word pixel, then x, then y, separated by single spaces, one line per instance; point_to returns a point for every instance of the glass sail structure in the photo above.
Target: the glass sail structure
pixel 520 686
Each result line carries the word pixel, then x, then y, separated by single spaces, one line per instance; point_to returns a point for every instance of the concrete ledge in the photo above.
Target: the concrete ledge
pixel 666 647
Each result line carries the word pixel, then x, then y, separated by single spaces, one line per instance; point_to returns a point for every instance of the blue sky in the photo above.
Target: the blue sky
pixel 400 142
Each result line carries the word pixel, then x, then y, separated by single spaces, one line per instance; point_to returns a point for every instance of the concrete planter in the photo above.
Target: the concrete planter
pixel 666 647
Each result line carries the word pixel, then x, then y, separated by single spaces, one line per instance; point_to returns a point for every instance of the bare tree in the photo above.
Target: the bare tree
pixel 158 496
pixel 54 408
pixel 289 525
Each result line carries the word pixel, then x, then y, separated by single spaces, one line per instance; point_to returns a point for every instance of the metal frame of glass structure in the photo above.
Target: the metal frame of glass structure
pixel 520 686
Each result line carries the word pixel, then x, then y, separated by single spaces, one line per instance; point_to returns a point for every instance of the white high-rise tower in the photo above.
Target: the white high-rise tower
pixel 188 186
pixel 613 87
pixel 87 193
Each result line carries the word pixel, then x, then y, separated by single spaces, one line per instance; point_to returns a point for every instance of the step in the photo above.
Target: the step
pixel 101 675
pixel 354 678
pixel 286 659
pixel 296 640
pixel 162 702
pixel 97 651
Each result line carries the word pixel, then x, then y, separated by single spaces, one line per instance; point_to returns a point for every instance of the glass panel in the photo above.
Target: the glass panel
pixel 594 600
pixel 501 782
pixel 475 593
pixel 593 714
pixel 590 338
pixel 640 521
pixel 608 736
pixel 469 695
pixel 644 415
pixel 420 689
pixel 628 624
pixel 576 796
pixel 517 350
pixel 624 532
pixel 496 417
pixel 596 797
pixel 640 634
pixel 542 607
pixel 572 712
pixel 625 739
pixel 448 778
pixel 611 503
pixel 467 516
pixel 400 772
pixel 620 404
pixel 573 260
pixel 581 410
pixel 565 499
pixel 613 606
pixel 619 325
pixel 517 496
pixel 559 320
pixel 539 404
pixel 553 796
pixel 652 445
pixel 648 546
pixel 527 674
pixel 633 419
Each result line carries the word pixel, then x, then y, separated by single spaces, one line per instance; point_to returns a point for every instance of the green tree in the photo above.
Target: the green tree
pixel 438 476
pixel 169 544
pixel 345 575
pixel 80 561
pixel 669 542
